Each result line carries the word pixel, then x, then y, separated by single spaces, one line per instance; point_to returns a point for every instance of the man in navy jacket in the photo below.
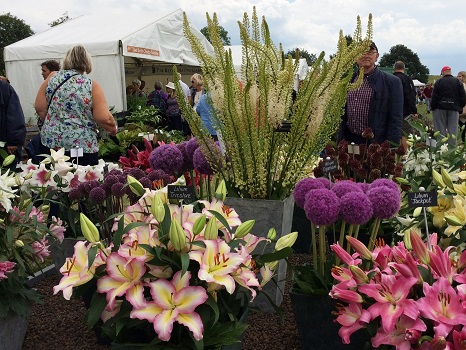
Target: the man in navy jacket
pixel 12 124
pixel 376 104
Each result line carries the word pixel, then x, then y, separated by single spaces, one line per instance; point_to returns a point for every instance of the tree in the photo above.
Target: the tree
pixel 411 60
pixel 60 20
pixel 12 29
pixel 310 57
pixel 223 35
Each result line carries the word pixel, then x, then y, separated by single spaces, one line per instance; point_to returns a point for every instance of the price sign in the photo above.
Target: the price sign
pixel 422 199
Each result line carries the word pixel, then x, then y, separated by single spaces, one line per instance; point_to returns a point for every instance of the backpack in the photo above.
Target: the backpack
pixel 158 102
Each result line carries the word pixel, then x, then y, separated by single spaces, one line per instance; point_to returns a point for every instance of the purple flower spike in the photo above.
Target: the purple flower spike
pixel 303 187
pixel 355 208
pixel 385 182
pixel 322 206
pixel 385 201
pixel 167 158
pixel 345 186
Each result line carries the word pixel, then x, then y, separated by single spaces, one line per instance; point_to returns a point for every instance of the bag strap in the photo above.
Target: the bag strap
pixel 56 89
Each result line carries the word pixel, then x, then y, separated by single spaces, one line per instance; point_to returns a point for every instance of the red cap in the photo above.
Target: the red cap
pixel 445 68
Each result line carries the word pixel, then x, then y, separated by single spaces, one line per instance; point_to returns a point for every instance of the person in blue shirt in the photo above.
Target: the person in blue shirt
pixel 206 112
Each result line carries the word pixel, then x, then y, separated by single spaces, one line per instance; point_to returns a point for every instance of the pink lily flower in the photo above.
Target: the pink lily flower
pixel 441 304
pixel 348 296
pixel 57 229
pixel 230 215
pixel 217 263
pixel 459 338
pixel 41 249
pixel 344 256
pixel 441 264
pixel 352 318
pixel 6 267
pixel 406 332
pixel 391 299
pixel 345 277
pixel 419 247
pixel 173 301
pixel 359 247
pixel 123 278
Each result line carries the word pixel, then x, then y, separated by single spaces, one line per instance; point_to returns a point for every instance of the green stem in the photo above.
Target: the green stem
pixel 350 233
pixel 375 229
pixel 342 233
pixel 314 246
pixel 356 231
pixel 322 247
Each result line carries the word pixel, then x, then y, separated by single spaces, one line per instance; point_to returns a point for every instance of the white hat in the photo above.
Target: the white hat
pixel 170 85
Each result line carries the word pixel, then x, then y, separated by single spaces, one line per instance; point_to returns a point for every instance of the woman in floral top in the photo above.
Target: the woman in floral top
pixel 71 104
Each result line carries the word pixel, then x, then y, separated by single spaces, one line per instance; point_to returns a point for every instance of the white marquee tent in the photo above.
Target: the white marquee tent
pixel 115 42
pixel 418 83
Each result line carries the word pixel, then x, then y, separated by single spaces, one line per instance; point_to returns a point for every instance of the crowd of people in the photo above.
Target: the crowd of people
pixel 70 106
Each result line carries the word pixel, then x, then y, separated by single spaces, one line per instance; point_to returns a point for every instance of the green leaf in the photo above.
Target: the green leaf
pixel 281 254
pixel 222 220
pixel 98 303
pixel 91 255
pixel 184 263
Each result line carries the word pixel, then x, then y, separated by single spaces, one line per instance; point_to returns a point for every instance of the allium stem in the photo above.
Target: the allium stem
pixel 314 245
pixel 323 257
pixel 375 229
pixel 350 233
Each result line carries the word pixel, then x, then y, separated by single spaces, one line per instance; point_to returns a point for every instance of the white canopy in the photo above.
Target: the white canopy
pixel 108 38
pixel 418 83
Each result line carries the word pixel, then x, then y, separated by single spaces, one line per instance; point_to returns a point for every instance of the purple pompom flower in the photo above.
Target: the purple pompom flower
pixel 326 182
pixel 303 187
pixel 136 173
pixel 200 163
pixel 385 201
pixel 364 186
pixel 146 183
pixel 75 195
pixel 345 186
pixel 187 162
pixel 191 146
pixel 157 175
pixel 322 206
pixel 97 195
pixel 167 158
pixel 118 190
pixel 355 208
pixel 384 182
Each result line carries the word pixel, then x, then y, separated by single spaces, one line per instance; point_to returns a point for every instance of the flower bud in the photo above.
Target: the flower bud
pixel 446 178
pixel 211 230
pixel 157 209
pixel 272 234
pixel 437 178
pixel 286 241
pixel 438 343
pixel 18 180
pixel 27 202
pixel 419 248
pixel 436 133
pixel 19 243
pixel 221 191
pixel 453 220
pixel 358 274
pixel 88 229
pixel 135 186
pixel 28 176
pixel 199 224
pixel 402 181
pixel 177 236
pixel 243 229
pixel 8 160
pixel 360 248
pixel 407 241
pixel 48 176
pixel 417 211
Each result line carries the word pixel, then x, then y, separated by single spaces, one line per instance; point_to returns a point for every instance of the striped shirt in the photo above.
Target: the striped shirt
pixel 357 107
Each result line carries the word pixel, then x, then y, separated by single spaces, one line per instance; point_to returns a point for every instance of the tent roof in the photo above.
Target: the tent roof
pixel 156 37
pixel 418 83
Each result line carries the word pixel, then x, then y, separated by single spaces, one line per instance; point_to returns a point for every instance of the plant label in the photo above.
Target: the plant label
pixel 76 152
pixel 329 166
pixel 422 199
pixel 180 192
pixel 353 149
pixel 431 142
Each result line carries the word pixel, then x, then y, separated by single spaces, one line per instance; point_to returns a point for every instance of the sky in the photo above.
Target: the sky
pixel 435 30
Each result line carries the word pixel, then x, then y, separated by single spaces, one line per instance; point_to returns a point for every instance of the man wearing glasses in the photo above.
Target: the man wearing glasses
pixel 376 104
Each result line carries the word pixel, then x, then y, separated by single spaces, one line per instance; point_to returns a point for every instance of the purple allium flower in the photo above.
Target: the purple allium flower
pixel 368 133
pixel 115 171
pixel 82 188
pixel 322 206
pixel 303 187
pixel 385 182
pixel 75 195
pixel 326 182
pixel 167 158
pixel 89 185
pixel 375 174
pixel 187 162
pixel 361 173
pixel 385 201
pixel 343 146
pixel 146 183
pixel 157 174
pixel 118 189
pixel 373 147
pixel 400 150
pixel 122 178
pixel 355 208
pixel 343 159
pixel 137 173
pixel 344 186
pixel 363 185
pixel 97 195
pixel 355 164
pixel 200 163
pixel 191 146
pixel 109 180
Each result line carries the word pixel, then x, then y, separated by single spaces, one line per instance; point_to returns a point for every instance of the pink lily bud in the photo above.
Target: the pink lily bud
pixel 348 296
pixel 419 248
pixel 342 254
pixel 438 343
pixel 360 248
pixel 358 274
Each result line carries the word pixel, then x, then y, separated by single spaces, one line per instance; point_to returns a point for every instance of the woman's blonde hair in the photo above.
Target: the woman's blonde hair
pixel 198 79
pixel 77 58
